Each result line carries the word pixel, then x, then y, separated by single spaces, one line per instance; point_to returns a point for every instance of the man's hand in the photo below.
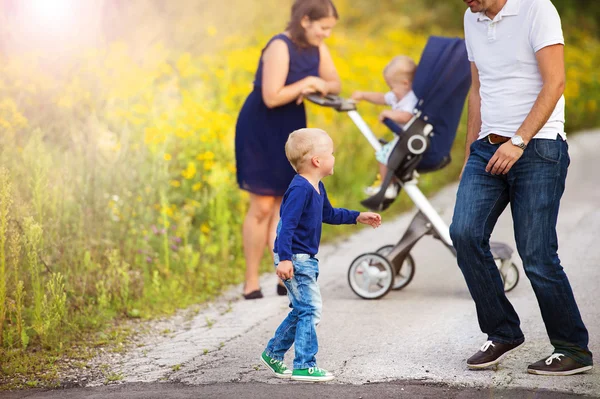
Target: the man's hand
pixel 285 270
pixel 505 157
pixel 370 218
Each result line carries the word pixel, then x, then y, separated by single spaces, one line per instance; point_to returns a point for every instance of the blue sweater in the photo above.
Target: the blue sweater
pixel 303 211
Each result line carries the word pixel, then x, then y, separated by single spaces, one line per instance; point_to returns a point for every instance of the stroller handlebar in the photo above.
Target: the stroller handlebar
pixel 336 102
pixel 344 105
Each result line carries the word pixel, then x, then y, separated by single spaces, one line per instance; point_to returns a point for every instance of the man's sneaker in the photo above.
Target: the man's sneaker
pixel 276 366
pixel 491 353
pixel 313 374
pixel 390 193
pixel 557 364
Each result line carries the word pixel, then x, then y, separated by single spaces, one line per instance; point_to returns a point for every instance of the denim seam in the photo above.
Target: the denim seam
pixel 556 182
pixel 273 356
pixel 485 223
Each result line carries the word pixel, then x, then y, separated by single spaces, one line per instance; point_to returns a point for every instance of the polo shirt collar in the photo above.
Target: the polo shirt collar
pixel 510 8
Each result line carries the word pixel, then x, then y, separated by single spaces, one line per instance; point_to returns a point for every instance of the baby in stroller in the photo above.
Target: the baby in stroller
pixel 398 74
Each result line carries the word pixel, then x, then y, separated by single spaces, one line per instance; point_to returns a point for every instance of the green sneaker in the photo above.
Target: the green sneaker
pixel 313 374
pixel 276 366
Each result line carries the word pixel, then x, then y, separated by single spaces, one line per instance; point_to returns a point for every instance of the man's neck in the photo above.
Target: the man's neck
pixel 493 10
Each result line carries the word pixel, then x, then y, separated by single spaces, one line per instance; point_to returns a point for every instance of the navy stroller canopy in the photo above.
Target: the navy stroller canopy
pixel 442 81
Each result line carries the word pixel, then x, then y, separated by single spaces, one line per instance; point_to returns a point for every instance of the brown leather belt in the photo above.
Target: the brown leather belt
pixel 496 138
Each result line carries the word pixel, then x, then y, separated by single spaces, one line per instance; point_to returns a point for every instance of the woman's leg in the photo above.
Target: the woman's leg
pixel 256 236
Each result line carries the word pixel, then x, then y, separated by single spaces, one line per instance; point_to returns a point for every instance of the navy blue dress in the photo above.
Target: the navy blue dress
pixel 261 133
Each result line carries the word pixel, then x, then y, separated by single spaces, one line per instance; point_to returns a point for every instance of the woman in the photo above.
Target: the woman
pixel 293 64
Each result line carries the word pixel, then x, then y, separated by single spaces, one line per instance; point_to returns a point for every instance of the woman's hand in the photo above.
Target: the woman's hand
pixel 312 85
pixel 305 92
pixel 319 85
pixel 370 218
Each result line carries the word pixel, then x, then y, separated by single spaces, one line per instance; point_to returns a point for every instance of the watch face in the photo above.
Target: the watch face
pixel 517 140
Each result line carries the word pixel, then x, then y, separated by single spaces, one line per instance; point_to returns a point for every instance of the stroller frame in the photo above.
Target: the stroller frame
pixel 391 267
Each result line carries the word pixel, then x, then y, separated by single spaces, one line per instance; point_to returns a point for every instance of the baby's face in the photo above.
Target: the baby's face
pixel 399 87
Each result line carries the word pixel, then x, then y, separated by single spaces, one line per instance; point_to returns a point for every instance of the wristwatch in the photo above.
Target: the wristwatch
pixel 518 141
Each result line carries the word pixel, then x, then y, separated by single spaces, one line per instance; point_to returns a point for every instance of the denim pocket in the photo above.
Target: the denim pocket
pixel 548 150
pixel 305 265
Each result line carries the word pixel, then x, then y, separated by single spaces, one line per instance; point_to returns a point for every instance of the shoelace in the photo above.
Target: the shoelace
pixel 312 370
pixel 554 356
pixel 486 346
pixel 278 363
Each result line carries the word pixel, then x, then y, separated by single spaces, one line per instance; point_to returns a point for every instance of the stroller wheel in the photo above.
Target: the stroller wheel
pixel 509 273
pixel 406 271
pixel 371 276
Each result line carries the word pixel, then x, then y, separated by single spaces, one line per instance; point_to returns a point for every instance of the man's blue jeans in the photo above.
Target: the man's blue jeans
pixel 299 327
pixel 533 188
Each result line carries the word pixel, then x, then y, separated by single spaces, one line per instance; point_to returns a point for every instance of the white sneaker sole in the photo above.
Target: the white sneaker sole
pixel 312 379
pixel 569 372
pixel 285 376
pixel 493 362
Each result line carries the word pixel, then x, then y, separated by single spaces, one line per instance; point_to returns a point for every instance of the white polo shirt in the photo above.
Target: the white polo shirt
pixel 503 50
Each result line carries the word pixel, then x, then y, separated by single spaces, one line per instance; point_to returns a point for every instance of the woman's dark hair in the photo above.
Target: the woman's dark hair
pixel 314 10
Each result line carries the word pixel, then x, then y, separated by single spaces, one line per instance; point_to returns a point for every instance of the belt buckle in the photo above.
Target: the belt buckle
pixel 489 137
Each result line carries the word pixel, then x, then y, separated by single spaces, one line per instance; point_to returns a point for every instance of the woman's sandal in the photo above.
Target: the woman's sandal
pixel 281 290
pixel 256 294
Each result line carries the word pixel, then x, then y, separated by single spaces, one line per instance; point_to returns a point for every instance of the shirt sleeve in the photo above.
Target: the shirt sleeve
pixel 390 98
pixel 291 211
pixel 466 27
pixel 546 28
pixel 333 215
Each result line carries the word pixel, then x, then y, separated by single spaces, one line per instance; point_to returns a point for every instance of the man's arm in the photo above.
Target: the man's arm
pixel 551 63
pixel 473 112
pixel 552 69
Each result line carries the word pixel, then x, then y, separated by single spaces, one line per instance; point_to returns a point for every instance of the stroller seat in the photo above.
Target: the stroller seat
pixel 442 82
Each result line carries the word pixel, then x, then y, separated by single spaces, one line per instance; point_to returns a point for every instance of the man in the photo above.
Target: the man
pixel 517 154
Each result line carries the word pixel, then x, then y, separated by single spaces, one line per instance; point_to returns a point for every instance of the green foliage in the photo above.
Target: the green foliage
pixel 117 189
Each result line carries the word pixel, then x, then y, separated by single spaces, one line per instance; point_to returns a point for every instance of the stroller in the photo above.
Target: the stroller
pixel 441 84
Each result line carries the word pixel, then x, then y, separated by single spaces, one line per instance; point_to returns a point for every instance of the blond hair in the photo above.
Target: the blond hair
pixel 301 144
pixel 401 67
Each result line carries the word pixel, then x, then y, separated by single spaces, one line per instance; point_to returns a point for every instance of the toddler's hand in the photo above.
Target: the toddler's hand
pixel 357 96
pixel 285 270
pixel 370 218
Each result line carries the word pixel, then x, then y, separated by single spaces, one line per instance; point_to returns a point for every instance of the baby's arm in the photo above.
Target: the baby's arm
pixel 398 116
pixel 369 96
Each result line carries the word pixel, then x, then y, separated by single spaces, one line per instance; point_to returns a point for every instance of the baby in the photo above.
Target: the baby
pixel 398 75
